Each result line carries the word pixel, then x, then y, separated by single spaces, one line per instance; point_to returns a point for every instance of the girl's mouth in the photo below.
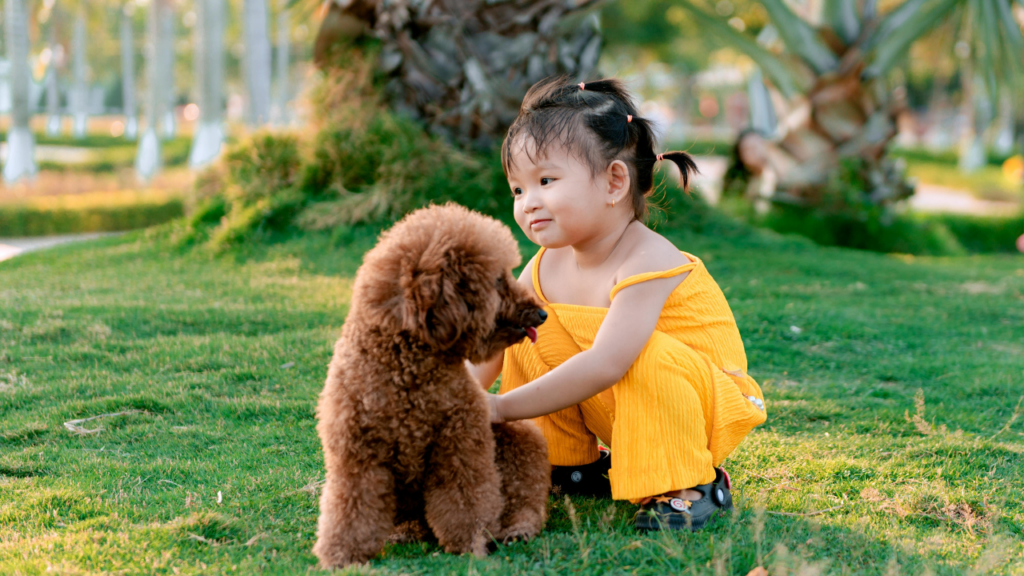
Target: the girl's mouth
pixel 540 224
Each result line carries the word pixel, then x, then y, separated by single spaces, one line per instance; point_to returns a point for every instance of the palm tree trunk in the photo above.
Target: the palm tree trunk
pixel 131 114
pixel 80 92
pixel 147 160
pixel 52 93
pixel 281 64
pixel 20 143
pixel 258 61
pixel 168 124
pixel 209 65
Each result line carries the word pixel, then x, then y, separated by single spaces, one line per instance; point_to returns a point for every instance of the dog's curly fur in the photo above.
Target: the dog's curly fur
pixel 405 428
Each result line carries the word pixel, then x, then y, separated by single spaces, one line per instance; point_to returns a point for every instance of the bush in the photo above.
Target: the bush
pixel 22 220
pixel 391 167
pixel 980 234
pixel 262 167
pixel 364 165
pixel 903 234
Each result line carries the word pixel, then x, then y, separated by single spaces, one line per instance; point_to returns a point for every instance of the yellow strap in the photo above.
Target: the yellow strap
pixel 635 279
pixel 536 275
pixel 638 278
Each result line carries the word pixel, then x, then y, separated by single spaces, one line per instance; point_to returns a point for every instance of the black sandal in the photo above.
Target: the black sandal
pixel 665 513
pixel 587 480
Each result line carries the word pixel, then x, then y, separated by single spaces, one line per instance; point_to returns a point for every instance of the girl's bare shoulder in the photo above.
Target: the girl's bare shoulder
pixel 526 276
pixel 650 252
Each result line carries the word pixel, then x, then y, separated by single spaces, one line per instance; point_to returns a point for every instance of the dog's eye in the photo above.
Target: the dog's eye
pixel 500 282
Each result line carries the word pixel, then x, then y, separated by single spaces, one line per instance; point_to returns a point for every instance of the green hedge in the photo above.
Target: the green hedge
pixel 981 234
pixel 20 220
pixel 922 234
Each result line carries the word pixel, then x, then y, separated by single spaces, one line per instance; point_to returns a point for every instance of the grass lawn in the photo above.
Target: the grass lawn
pixel 891 444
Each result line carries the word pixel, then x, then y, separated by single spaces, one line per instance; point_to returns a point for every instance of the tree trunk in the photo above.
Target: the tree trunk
pixel 147 160
pixel 80 91
pixel 131 114
pixel 257 60
pixel 209 66
pixel 53 117
pixel 281 65
pixel 168 124
pixel 20 143
pixel 463 66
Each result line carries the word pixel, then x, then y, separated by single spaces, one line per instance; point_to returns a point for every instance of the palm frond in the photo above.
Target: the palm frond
pixel 800 37
pixel 788 83
pixel 901 28
pixel 841 15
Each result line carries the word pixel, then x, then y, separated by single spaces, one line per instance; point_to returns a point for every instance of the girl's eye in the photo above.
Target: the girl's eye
pixel 546 181
pixel 517 191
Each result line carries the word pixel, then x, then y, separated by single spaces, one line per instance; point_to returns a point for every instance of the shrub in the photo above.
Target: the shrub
pixel 24 220
pixel 364 165
pixel 903 234
pixel 392 167
pixel 982 234
pixel 262 167
pixel 255 190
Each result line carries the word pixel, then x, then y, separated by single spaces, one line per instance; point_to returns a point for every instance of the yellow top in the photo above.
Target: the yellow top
pixel 696 313
pixel 683 406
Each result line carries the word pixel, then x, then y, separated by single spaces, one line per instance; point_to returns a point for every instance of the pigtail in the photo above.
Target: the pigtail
pixel 598 122
pixel 687 167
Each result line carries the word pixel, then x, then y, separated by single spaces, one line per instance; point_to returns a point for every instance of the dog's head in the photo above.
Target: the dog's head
pixel 443 277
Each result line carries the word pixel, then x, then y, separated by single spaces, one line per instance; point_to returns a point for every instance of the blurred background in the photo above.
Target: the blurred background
pixel 887 125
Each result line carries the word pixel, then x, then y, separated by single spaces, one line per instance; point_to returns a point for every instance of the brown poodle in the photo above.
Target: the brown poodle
pixel 405 428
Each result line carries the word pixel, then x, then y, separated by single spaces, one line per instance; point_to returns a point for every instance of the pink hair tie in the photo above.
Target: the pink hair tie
pixel 661 157
pixel 629 118
pixel 580 85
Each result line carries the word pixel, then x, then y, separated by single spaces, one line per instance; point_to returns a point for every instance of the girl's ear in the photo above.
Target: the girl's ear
pixel 618 182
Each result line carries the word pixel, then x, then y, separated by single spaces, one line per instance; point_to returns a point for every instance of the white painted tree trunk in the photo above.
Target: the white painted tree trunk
pixel 20 143
pixel 131 113
pixel 258 60
pixel 168 125
pixel 1003 141
pixel 281 66
pixel 209 66
pixel 80 92
pixel 52 92
pixel 147 159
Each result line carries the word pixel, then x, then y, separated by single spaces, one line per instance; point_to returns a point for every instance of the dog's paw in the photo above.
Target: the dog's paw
pixel 521 532
pixel 411 531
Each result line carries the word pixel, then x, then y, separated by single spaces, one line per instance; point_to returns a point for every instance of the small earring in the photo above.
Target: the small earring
pixel 613 203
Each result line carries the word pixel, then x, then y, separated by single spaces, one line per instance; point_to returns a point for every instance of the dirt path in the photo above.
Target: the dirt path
pixel 11 247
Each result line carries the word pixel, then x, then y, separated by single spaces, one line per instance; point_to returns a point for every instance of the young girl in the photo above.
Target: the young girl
pixel 640 348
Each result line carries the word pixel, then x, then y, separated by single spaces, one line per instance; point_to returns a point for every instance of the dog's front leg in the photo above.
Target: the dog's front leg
pixel 357 512
pixel 463 489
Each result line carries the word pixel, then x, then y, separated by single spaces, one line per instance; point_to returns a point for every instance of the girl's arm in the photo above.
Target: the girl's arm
pixel 624 332
pixel 487 372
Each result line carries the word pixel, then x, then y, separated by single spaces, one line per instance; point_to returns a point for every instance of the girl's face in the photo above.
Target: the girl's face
pixel 558 202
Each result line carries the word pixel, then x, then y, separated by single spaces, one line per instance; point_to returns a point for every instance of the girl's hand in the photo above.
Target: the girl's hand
pixel 493 401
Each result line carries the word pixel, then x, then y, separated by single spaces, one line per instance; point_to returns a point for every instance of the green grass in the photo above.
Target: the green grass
pixel 890 447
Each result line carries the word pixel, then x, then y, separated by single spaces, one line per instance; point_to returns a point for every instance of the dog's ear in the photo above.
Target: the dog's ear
pixel 434 310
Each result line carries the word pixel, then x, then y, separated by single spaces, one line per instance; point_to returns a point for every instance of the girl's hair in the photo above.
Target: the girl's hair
pixel 597 122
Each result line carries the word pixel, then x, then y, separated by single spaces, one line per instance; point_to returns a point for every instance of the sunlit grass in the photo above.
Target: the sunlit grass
pixel 892 444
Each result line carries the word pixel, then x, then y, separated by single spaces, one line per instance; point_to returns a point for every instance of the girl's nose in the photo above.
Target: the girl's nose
pixel 531 202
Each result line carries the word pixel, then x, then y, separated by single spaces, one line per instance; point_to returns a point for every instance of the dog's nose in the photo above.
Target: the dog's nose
pixel 543 315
